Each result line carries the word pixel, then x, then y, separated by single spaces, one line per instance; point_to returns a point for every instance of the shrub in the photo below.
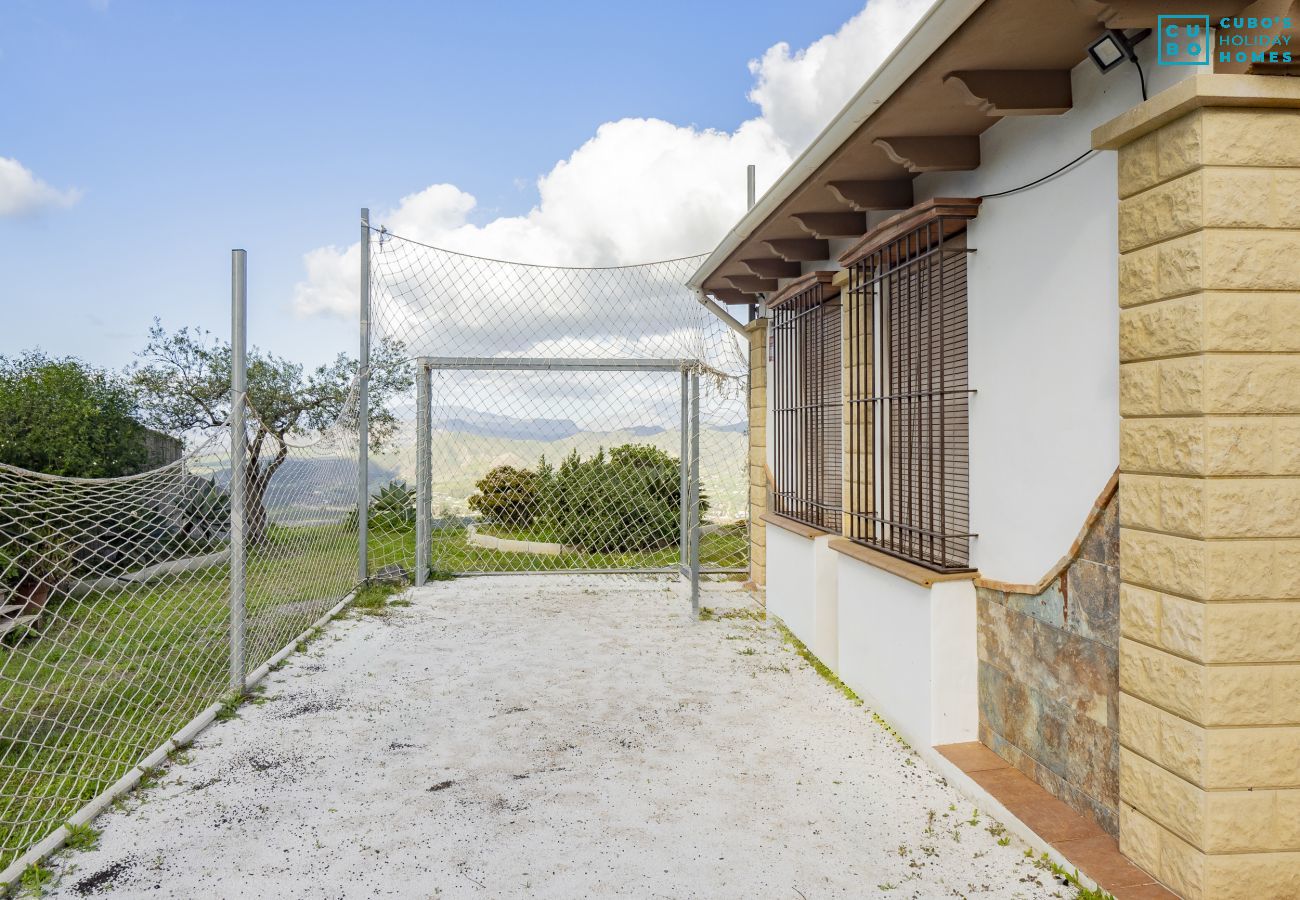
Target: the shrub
pixel 393 506
pixel 626 501
pixel 508 496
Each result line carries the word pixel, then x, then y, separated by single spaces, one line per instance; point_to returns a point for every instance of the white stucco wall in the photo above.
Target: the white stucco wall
pixel 801 590
pixel 910 652
pixel 1044 322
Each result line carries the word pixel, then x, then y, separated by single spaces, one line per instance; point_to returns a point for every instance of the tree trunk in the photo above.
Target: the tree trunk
pixel 257 478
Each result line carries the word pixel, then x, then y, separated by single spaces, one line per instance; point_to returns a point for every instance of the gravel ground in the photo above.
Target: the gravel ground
pixel 550 737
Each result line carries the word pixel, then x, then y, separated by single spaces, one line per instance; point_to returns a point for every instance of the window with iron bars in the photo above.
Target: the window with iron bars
pixel 807 417
pixel 906 393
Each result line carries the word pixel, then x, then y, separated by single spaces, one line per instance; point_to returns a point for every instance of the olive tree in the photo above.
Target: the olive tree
pixel 183 382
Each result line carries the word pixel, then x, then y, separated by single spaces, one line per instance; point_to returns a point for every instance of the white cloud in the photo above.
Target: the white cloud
pixel 22 193
pixel 799 92
pixel 641 189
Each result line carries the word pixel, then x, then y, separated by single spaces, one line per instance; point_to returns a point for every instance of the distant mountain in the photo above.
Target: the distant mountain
pixel 469 421
pixel 733 428
pixel 644 430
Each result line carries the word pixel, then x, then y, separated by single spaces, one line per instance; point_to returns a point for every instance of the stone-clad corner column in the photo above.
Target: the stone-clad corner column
pixel 1209 293
pixel 757 451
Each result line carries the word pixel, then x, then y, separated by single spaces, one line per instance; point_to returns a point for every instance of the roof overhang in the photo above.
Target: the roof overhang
pixel 962 67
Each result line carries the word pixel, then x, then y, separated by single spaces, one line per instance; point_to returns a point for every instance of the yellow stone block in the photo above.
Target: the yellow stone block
pixel 1252 507
pixel 1250 137
pixel 1162 679
pixel 1179 265
pixel 1181 385
pixel 1138 277
pixel 1252 876
pixel 1252 757
pixel 1169 446
pixel 1164 328
pixel 1163 562
pixel 1139 388
pixel 1164 797
pixel 1237 198
pixel 1182 626
pixel 1140 839
pixel 1138 165
pixel 1248 446
pixel 1139 613
pixel 1141 506
pixel 1242 259
pixel 1253 383
pixel 1252 632
pixel 1167 210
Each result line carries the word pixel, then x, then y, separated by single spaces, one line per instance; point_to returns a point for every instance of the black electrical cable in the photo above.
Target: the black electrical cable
pixel 1142 78
pixel 1037 181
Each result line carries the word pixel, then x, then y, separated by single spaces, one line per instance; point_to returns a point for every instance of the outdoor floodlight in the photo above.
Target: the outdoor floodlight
pixel 1111 49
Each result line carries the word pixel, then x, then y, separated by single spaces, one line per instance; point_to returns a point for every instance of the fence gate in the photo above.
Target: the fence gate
pixel 563 466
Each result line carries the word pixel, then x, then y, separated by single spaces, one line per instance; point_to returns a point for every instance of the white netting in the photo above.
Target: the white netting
pixel 561 468
pixel 114 627
pixel 115 594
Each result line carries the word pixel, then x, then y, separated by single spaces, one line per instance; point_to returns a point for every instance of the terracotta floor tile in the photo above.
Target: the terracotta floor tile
pixel 972 756
pixel 1010 787
pixel 1099 856
pixel 1054 822
pixel 1151 891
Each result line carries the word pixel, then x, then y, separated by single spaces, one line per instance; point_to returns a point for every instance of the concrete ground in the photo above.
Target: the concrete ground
pixel 551 736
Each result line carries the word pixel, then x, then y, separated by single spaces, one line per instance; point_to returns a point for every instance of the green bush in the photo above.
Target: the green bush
pixel 508 496
pixel 625 501
pixel 393 507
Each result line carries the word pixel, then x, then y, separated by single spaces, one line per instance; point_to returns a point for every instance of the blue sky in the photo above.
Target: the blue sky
pixel 190 128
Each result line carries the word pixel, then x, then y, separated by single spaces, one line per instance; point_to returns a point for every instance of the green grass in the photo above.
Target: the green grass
pixel 111 676
pixel 724 548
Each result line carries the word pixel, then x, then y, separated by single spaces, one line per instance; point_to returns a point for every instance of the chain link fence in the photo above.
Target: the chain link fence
pixel 115 625
pixel 548 448
pixel 128 616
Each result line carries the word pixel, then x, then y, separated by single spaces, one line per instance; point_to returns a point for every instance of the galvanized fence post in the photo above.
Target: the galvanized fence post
pixel 695 493
pixel 238 461
pixel 423 471
pixel 684 466
pixel 363 409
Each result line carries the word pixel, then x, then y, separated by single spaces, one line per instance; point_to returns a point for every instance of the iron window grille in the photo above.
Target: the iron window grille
pixel 907 393
pixel 807 406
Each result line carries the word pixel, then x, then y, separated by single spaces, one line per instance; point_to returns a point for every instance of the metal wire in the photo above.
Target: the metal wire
pixel 554 437
pixel 115 614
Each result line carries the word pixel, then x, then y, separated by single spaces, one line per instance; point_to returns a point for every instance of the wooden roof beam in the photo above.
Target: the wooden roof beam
pixel 752 283
pixel 800 249
pixel 772 268
pixel 1123 14
pixel 865 196
pixel 1015 92
pixel 731 296
pixel 955 153
pixel 832 224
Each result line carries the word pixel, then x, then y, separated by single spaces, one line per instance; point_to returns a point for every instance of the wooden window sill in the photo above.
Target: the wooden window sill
pixel 792 526
pixel 895 566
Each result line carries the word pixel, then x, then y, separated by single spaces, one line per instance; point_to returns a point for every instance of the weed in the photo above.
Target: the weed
pixel 886 886
pixel 1045 863
pixel 1004 841
pixel 748 651
pixel 974 819
pixel 150 777
pixel 902 850
pixel 229 707
pixel 374 598
pixel 997 829
pixel 81 837
pixel 35 879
